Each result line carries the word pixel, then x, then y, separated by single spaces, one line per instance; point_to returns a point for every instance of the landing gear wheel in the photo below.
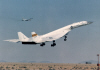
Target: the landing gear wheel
pixel 54 44
pixel 42 44
pixel 65 39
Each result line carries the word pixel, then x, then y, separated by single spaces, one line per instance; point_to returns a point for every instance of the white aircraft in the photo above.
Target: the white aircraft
pixel 52 36
pixel 27 19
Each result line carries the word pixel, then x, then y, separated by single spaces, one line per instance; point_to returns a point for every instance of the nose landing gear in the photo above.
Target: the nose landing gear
pixel 65 38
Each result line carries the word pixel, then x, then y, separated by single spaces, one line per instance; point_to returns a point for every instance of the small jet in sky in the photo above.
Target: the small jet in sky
pixel 52 36
pixel 27 19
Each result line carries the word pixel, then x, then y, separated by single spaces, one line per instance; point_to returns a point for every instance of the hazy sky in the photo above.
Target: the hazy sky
pixel 83 43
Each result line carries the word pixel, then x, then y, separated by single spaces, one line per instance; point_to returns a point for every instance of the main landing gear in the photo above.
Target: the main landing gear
pixel 42 44
pixel 54 44
pixel 65 38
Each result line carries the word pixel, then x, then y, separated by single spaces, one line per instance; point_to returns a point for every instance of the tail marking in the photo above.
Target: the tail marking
pixel 34 34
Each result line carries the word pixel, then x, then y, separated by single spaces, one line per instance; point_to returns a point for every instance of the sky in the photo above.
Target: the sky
pixel 83 43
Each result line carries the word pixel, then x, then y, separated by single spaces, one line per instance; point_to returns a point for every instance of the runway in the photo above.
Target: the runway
pixel 46 66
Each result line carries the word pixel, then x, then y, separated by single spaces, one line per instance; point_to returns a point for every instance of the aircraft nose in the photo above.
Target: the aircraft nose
pixel 89 22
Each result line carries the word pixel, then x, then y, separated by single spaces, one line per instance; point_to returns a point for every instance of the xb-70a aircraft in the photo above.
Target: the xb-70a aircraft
pixel 26 19
pixel 52 36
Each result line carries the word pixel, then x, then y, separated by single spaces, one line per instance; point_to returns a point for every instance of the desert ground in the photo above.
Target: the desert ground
pixel 47 66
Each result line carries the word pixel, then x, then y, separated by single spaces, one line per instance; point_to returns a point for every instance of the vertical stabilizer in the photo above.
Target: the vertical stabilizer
pixel 21 36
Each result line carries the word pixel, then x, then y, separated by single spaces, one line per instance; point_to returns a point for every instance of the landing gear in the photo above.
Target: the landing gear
pixel 54 44
pixel 65 38
pixel 42 44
